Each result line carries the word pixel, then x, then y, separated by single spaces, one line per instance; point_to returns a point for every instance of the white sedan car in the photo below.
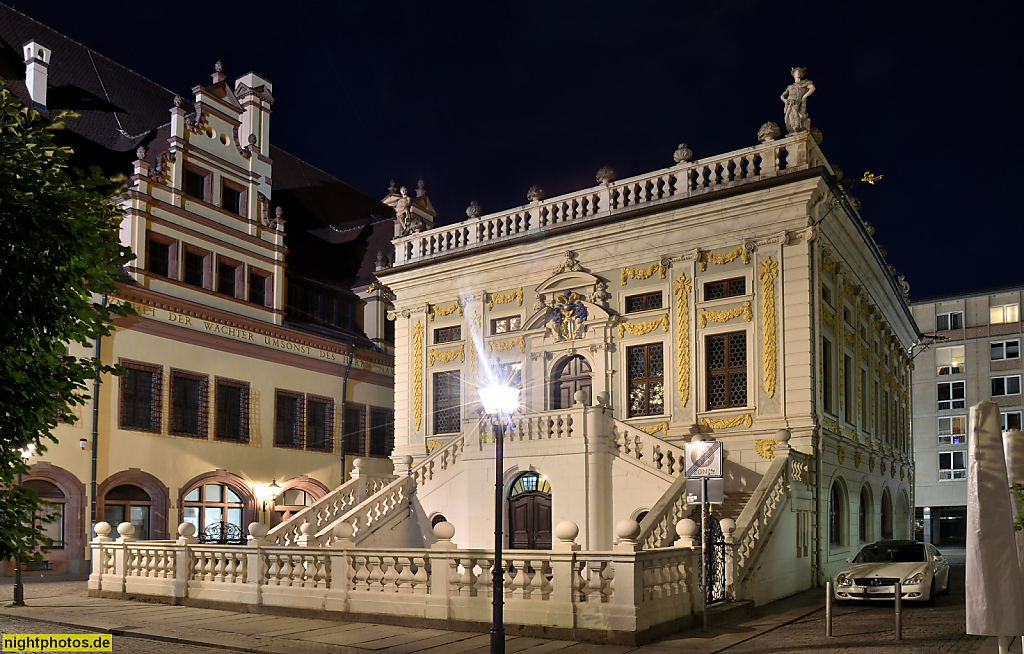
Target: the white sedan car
pixel 873 573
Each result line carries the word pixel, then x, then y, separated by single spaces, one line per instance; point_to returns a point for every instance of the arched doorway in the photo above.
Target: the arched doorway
pixel 886 514
pixel 573 374
pixel 529 513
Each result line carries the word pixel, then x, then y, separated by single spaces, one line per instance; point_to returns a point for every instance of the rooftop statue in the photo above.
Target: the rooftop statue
pixel 795 100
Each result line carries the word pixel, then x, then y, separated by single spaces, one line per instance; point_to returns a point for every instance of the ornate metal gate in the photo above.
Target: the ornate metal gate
pixel 714 591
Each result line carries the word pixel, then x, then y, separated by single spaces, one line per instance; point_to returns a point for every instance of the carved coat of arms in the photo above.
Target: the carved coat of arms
pixel 569 314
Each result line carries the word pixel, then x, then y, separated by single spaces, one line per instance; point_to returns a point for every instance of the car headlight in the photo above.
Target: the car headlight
pixel 843 580
pixel 914 580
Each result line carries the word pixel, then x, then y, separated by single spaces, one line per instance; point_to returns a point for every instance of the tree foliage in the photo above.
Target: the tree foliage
pixel 59 255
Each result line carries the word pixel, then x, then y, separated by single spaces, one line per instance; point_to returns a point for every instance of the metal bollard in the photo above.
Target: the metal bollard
pixel 828 608
pixel 899 611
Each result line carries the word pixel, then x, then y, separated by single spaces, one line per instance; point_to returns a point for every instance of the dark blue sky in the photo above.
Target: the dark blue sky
pixel 484 100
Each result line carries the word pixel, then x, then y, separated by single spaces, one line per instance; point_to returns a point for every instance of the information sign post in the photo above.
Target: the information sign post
pixel 703 461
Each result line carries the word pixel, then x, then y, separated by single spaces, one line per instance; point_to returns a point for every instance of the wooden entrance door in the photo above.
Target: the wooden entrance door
pixel 529 516
pixel 573 375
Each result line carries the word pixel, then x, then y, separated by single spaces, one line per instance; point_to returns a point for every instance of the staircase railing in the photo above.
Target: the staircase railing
pixel 661 457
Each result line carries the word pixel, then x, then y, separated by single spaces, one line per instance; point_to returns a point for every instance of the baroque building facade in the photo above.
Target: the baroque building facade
pixel 248 369
pixel 973 355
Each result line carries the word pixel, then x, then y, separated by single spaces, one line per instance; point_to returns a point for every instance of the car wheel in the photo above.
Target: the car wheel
pixel 931 595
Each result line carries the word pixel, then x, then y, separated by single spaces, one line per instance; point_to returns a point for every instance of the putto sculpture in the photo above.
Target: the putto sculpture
pixel 794 98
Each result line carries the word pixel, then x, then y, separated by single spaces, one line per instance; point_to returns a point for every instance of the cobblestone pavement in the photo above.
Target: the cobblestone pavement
pixel 9 625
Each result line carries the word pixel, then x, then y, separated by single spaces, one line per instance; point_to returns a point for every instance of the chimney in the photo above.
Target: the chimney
pixel 37 61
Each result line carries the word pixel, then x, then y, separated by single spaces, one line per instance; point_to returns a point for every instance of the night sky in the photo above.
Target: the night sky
pixel 483 100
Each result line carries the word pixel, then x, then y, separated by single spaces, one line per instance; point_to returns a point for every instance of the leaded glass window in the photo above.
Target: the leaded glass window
pixel 727 370
pixel 505 325
pixel 725 288
pixel 447 400
pixel 448 334
pixel 140 387
pixel 646 380
pixel 643 302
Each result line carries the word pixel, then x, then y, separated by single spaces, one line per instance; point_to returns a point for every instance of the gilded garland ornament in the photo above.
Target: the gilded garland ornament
pixel 568 315
pixel 725 315
pixel 768 271
pixel 506 345
pixel 651 430
pixel 641 328
pixel 445 310
pixel 881 466
pixel 447 356
pixel 642 273
pixel 495 298
pixel 433 445
pixel 857 458
pixel 725 423
pixel 417 374
pixel 682 288
pixel 723 258
pixel 765 447
pixel 871 463
pixel 841 454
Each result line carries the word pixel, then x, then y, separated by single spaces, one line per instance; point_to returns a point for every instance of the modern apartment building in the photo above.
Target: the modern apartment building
pixel 975 356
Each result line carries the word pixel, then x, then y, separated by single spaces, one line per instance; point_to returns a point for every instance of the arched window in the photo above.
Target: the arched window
pixel 217 511
pixel 128 503
pixel 54 507
pixel 836 514
pixel 297 493
pixel 886 514
pixel 864 522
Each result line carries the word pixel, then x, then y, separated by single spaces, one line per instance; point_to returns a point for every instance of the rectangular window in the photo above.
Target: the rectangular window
pixel 826 294
pixel 197 268
pixel 1000 350
pixel 952 465
pixel 848 315
pixel 141 386
pixel 848 408
pixel 826 374
pixel 288 420
pixel 1011 420
pixel 725 288
pixel 319 423
pixel 355 429
pixel 864 400
pixel 953 430
pixel 189 398
pixel 646 380
pixel 161 257
pixel 885 415
pixel 447 401
pixel 503 325
pixel 727 370
pixel 946 321
pixel 950 360
pixel 951 395
pixel 232 418
pixel 1006 385
pixel 382 431
pixel 196 185
pixel 644 302
pixel 1003 313
pixel 448 334
pixel 258 291
pixel 231 199
pixel 229 277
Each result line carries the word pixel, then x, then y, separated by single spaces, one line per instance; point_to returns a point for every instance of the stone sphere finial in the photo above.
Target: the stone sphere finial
pixel 627 530
pixel 258 529
pixel 683 153
pixel 606 175
pixel 580 397
pixel 179 101
pixel 140 152
pixel 728 526
pixel 306 529
pixel 816 135
pixel 358 463
pixel 603 398
pixel 185 529
pixel 103 529
pixel 343 530
pixel 252 139
pixel 686 528
pixel 536 194
pixel 869 228
pixel 783 436
pixel 278 212
pixel 407 460
pixel 566 531
pixel 444 531
pixel 219 66
pixel 474 210
pixel 126 529
pixel 768 132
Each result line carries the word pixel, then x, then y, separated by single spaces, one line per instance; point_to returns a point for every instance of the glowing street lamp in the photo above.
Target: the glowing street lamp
pixel 499 402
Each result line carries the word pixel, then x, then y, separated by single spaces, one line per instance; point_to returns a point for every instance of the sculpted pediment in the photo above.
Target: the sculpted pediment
pixel 592 292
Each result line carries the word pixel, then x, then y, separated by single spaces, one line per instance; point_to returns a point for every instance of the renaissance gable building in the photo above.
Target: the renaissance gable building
pixel 255 359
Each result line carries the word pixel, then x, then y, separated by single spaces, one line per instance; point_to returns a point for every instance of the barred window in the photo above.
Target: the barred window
pixel 447 400
pixel 141 386
pixel 646 380
pixel 448 334
pixel 189 400
pixel 727 370
pixel 288 420
pixel 725 288
pixel 355 429
pixel 382 431
pixel 505 325
pixel 643 302
pixel 319 423
pixel 232 418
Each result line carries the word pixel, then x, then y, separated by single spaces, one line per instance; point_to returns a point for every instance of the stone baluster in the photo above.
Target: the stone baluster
pixel 341 572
